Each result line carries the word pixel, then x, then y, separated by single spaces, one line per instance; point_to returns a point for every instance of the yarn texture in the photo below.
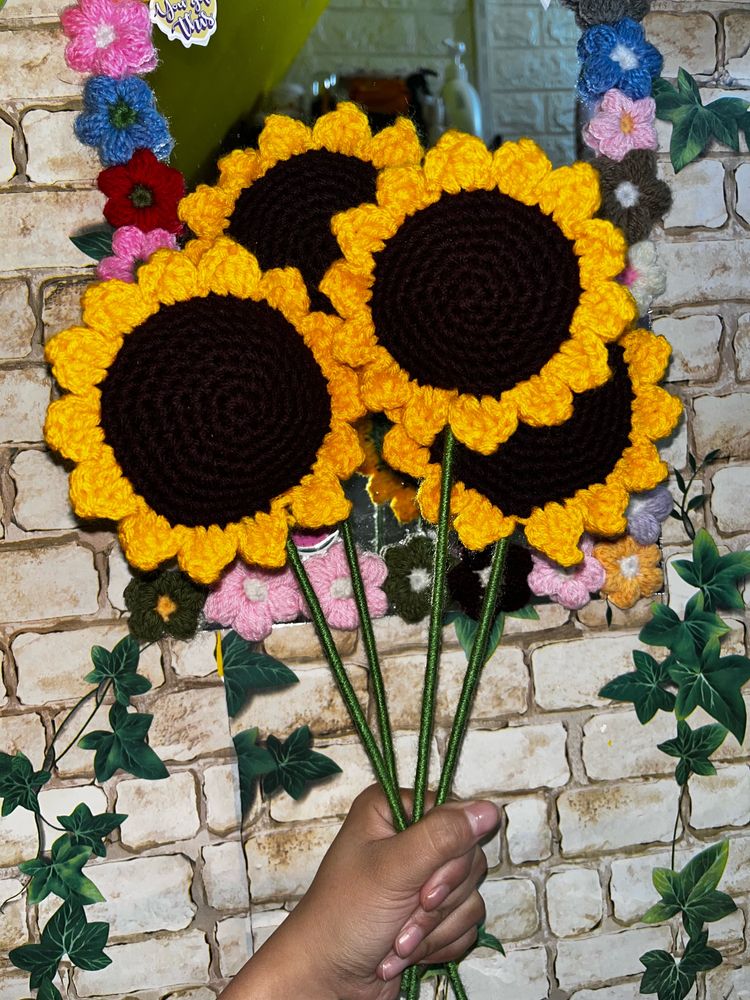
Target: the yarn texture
pixel 589 12
pixel 252 600
pixel 467 581
pixel 143 192
pixel 119 117
pixel 131 247
pixel 409 582
pixel 331 580
pixel 633 197
pixel 645 276
pixel 571 588
pixel 163 604
pixel 621 124
pixel 108 37
pixel 632 570
pixel 617 56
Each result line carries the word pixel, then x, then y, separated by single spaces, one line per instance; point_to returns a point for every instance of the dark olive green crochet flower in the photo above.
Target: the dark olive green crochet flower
pixel 162 604
pixel 409 582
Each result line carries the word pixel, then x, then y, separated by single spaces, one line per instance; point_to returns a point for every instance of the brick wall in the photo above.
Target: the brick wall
pixel 587 801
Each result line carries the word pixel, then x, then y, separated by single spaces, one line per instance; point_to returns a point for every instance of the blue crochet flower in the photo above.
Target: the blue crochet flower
pixel 120 116
pixel 617 55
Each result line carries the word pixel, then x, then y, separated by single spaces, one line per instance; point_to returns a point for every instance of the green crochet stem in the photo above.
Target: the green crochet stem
pixel 458 987
pixel 345 687
pixel 368 638
pixel 435 635
pixel 473 670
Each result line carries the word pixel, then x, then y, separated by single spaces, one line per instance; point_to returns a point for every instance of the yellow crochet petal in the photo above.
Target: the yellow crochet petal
pixel 459 162
pixel 72 426
pixel 479 523
pixel 261 540
pixel 354 344
pixel 543 401
pixel 168 277
pixel 601 249
pixel 114 307
pixel 402 453
pixel 556 530
pixel 98 488
pixel 656 412
pixel 147 539
pixel 361 232
pixel 570 195
pixel 385 388
pixel 398 144
pixel 428 495
pixel 641 468
pixel 238 169
pixel 80 357
pixel 604 310
pixel 344 388
pixel 403 190
pixel 206 551
pixel 603 508
pixel 347 287
pixel 581 363
pixel 319 501
pixel 519 168
pixel 206 211
pixel 647 356
pixel 341 452
pixel 483 424
pixel 345 130
pixel 426 414
pixel 281 138
pixel 228 269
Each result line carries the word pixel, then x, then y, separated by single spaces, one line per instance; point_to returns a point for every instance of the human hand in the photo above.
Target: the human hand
pixel 379 902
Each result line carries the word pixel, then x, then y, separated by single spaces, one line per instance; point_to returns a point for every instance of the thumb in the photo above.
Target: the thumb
pixel 444 833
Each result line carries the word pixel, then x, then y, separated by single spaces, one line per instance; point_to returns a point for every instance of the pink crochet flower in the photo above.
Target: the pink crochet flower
pixel 329 575
pixel 109 37
pixel 621 124
pixel 251 600
pixel 572 588
pixel 132 247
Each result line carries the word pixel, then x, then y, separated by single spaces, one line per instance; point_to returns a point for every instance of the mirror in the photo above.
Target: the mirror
pixel 300 56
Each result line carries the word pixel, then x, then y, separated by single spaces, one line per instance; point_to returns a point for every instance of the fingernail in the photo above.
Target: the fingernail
pixel 436 896
pixel 408 940
pixel 482 817
pixel 391 967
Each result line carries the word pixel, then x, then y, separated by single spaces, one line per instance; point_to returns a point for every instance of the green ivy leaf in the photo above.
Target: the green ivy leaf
pixel 120 667
pixel 67 933
pixel 687 87
pixel 96 243
pixel 487 940
pixel 253 762
pixel 61 874
pixel 528 613
pixel 668 100
pixel 691 132
pixel 87 830
pixel 48 991
pixel 698 957
pixel 39 959
pixel 664 976
pixel 694 747
pixel 714 683
pixel 246 670
pixel 125 747
pixel 466 629
pixel 716 576
pixel 20 783
pixel 683 638
pixel 644 687
pixel 296 765
pixel 692 891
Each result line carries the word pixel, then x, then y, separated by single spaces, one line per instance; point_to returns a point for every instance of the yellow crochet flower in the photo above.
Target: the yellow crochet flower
pixel 278 201
pixel 205 411
pixel 478 291
pixel 559 481
pixel 632 570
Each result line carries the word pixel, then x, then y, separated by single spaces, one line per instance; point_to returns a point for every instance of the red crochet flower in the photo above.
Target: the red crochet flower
pixel 142 192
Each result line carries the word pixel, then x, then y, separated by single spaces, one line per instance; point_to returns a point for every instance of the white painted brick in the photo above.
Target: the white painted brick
pixel 34 66
pixel 528 832
pixel 119 577
pixel 742 181
pixel 283 862
pixel 41 502
pixel 23 734
pixel 742 344
pixel 697 195
pixel 264 923
pixel 24 397
pixel 616 745
pixel 225 876
pixel 17 322
pixel 561 109
pixel 30 241
pixel 334 795
pixel 560 27
pixel 729 983
pixel 58 581
pixel 522 974
pixel 54 153
pixel 221 788
pixel 631 886
pixel 13 930
pixel 673 450
pixel 159 812
pixel 723 422
pixel 730 498
pixel 189 724
pixel 521 69
pixel 729 933
pixel 38 8
pixel 626 991
pixel 235 939
pixel 299 642
pixel 517 112
pixel 684 39
pixel 13 985
pixel 195 658
pixel 17 838
pixel 737 30
pixel 722 799
pixel 695 346
pixel 700 271
pixel 52 665
pixel 7 164
pixel 518 27
pixel 588 961
pixel 511 908
pixel 594 614
pixel 607 818
pixel 517 759
pixel 574 901
pixel 551 616
pixel 62 305
pixel 200 994
pixel 166 960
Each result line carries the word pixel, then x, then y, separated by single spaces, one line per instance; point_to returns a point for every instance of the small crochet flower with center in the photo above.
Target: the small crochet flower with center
pixel 120 116
pixel 252 600
pixel 633 197
pixel 467 581
pixel 142 192
pixel 164 604
pixel 646 512
pixel 570 587
pixel 645 276
pixel 329 575
pixel 632 570
pixel 617 55
pixel 409 582
pixel 109 37
pixel 621 124
pixel 590 12
pixel 130 248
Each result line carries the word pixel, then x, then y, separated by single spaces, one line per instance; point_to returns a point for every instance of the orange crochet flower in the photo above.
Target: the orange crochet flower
pixel 632 570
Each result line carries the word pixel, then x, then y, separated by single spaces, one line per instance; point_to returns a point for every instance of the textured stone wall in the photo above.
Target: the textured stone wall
pixel 588 802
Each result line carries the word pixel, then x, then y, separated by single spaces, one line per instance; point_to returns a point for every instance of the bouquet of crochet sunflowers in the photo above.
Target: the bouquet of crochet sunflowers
pixel 463 304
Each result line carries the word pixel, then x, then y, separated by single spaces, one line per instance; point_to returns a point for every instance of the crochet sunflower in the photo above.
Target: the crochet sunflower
pixel 278 201
pixel 478 291
pixel 563 480
pixel 204 411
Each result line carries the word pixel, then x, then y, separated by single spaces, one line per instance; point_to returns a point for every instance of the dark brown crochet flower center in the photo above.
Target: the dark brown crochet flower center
pixel 475 292
pixel 284 217
pixel 539 465
pixel 213 407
